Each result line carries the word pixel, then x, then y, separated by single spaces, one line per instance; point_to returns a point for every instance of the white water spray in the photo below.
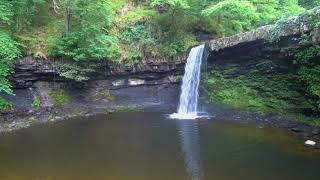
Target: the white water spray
pixel 188 104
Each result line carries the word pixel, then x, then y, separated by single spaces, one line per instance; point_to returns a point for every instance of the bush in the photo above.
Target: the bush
pixel 78 71
pixel 309 73
pixel 232 16
pixel 36 103
pixel 88 37
pixel 257 89
pixel 60 98
pixel 8 54
pixel 137 41
pixel 86 43
pixel 5 105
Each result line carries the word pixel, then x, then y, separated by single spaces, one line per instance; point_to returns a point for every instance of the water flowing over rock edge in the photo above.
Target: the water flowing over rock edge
pixel 188 103
pixel 30 71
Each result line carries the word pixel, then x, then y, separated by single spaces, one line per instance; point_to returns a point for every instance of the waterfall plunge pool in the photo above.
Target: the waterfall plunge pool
pixel 145 146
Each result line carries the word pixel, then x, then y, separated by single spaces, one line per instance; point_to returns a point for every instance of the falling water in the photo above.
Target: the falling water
pixel 188 105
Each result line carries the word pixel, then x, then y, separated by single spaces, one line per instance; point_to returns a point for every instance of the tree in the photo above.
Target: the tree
pixel 6 12
pixel 67 6
pixel 309 3
pixel 171 4
pixel 87 37
pixel 289 8
pixel 267 11
pixel 27 13
pixel 232 16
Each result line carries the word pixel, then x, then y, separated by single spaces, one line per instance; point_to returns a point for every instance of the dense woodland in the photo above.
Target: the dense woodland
pixel 91 33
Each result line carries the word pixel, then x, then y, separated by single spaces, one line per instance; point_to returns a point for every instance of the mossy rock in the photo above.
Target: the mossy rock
pixel 131 108
pixel 105 95
pixel 60 98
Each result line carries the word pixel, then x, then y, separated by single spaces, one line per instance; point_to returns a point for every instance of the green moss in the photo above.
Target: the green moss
pixel 60 98
pixel 259 90
pixel 132 108
pixel 5 105
pixel 103 95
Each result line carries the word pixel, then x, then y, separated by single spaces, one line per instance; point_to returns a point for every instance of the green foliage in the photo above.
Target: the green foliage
pixel 8 53
pixel 128 31
pixel 174 4
pixel 138 15
pixel 312 20
pixel 88 38
pixel 104 95
pixel 309 3
pixel 5 105
pixel 267 11
pixel 257 89
pixel 78 71
pixel 29 13
pixel 309 73
pixel 36 103
pixel 232 16
pixel 137 41
pixel 182 44
pixel 60 98
pixel 274 34
pixel 289 8
pixel 6 12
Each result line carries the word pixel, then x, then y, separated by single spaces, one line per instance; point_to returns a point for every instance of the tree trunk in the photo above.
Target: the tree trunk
pixel 67 19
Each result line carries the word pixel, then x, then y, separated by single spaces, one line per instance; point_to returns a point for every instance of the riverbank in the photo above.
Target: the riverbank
pixel 139 98
pixel 159 98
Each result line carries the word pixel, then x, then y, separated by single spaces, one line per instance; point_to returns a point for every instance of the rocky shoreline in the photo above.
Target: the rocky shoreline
pixel 162 97
pixel 152 98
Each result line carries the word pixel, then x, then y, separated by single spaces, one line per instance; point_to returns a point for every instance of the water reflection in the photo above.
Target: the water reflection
pixel 189 142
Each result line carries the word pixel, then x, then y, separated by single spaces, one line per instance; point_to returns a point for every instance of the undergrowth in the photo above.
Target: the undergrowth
pixel 60 98
pixel 5 105
pixel 258 91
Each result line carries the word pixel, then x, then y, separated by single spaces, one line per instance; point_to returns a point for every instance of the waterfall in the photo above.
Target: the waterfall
pixel 188 104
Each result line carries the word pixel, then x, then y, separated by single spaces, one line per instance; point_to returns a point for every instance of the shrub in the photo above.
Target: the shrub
pixel 232 16
pixel 36 103
pixel 78 71
pixel 60 98
pixel 8 54
pixel 88 38
pixel 5 105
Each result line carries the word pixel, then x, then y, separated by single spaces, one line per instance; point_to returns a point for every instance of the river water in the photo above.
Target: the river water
pixel 150 146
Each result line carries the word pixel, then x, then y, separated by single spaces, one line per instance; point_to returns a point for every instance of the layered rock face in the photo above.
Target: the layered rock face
pixel 37 79
pixel 28 71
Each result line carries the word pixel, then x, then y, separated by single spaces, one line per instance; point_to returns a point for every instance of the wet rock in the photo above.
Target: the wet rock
pixel 136 82
pixel 310 143
pixel 316 132
pixel 296 130
pixel 120 82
